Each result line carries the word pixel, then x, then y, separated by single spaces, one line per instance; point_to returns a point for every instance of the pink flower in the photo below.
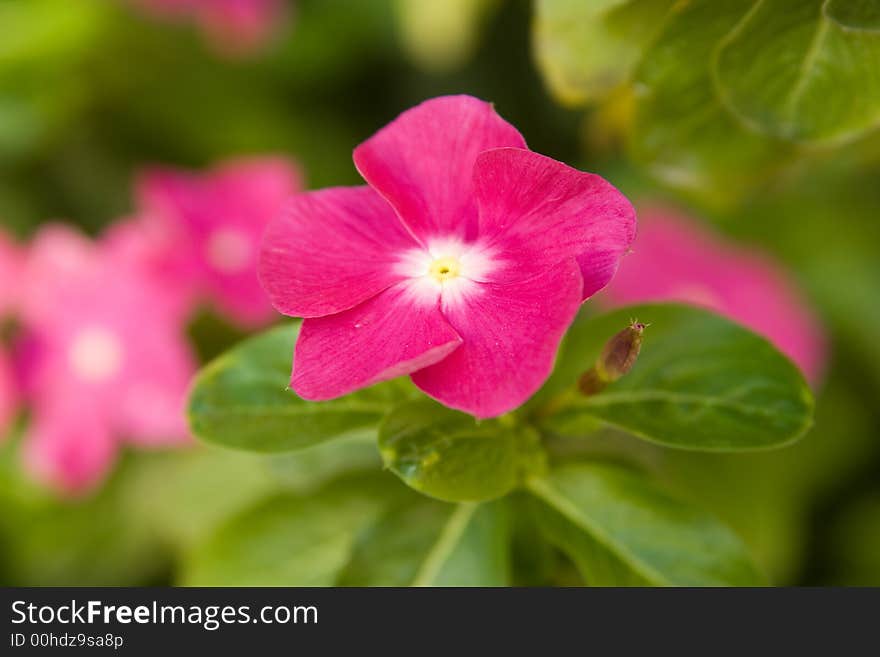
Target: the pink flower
pixel 676 259
pixel 201 233
pixel 234 27
pixel 102 360
pixel 148 245
pixel 461 263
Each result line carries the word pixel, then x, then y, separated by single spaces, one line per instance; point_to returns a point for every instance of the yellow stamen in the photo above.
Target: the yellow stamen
pixel 442 269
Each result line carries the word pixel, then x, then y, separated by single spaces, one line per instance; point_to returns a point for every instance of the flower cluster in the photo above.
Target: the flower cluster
pixel 100 353
pixel 461 263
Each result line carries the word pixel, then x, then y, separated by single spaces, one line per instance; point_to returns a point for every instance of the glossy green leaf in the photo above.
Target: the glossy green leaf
pixel 701 382
pixel 452 456
pixel 242 400
pixel 789 70
pixel 428 543
pixel 586 49
pixel 681 130
pixel 288 540
pixel 621 530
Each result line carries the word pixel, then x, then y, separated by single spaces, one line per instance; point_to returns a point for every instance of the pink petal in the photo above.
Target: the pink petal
pixel 544 211
pixel 423 161
pixel 215 222
pixel 58 260
pixel 165 192
pixel 330 250
pixel 8 395
pixel 392 334
pixel 511 334
pixel 143 243
pixel 149 409
pixel 69 448
pixel 259 185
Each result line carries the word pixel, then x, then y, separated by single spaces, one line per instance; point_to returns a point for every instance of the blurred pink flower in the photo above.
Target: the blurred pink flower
pixel 677 259
pixel 234 27
pixel 149 244
pixel 102 359
pixel 461 263
pixel 201 233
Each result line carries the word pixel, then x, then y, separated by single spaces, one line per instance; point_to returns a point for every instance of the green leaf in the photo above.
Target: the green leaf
pixel 289 540
pixel 184 495
pixel 242 400
pixel 310 468
pixel 428 543
pixel 451 456
pixel 586 49
pixel 701 382
pixel 789 70
pixel 681 130
pixel 620 530
pixel 854 14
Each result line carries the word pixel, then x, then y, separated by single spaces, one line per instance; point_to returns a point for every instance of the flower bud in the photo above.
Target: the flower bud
pixel 617 358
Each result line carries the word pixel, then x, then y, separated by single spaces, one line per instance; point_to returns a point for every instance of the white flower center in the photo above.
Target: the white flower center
pixel 229 250
pixel 448 268
pixel 95 355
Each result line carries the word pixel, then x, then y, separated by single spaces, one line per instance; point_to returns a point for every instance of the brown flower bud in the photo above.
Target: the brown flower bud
pixel 617 358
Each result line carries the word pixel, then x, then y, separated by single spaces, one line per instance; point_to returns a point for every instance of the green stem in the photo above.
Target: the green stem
pixel 555 404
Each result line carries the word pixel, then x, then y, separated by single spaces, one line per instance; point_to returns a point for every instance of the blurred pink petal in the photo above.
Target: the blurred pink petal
pixel 503 245
pixel 239 27
pixel 69 447
pixel 143 243
pixel 8 394
pixel 101 345
pixel 213 224
pixel 677 259
pixel 234 27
